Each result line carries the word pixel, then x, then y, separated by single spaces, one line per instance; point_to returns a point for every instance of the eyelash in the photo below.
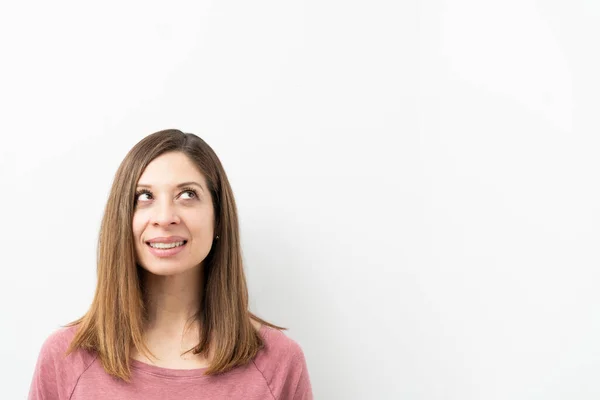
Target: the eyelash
pixel 146 191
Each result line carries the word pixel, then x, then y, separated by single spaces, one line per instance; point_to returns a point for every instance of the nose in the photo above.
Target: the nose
pixel 165 214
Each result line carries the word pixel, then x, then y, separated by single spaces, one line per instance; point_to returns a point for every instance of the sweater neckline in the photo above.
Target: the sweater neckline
pixel 166 372
pixel 176 372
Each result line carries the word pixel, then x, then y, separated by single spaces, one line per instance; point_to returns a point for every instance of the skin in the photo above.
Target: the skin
pixel 173 283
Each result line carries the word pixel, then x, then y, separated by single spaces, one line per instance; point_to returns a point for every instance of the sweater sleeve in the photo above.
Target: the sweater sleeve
pixel 303 389
pixel 45 382
pixel 283 365
pixel 55 374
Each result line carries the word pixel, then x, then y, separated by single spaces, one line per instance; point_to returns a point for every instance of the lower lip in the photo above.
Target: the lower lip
pixel 166 252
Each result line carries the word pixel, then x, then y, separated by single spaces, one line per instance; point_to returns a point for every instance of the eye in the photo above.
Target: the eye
pixel 191 192
pixel 141 192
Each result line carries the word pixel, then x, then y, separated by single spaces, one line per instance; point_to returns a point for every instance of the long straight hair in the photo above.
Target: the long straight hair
pixel 114 323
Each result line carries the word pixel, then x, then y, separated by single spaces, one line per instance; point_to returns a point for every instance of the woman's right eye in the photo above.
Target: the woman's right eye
pixel 140 193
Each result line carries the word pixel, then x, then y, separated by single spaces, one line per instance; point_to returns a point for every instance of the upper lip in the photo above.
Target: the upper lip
pixel 170 239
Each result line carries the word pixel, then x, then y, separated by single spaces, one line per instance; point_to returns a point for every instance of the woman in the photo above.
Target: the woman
pixel 170 318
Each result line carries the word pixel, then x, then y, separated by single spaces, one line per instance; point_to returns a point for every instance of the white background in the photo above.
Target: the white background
pixel 417 181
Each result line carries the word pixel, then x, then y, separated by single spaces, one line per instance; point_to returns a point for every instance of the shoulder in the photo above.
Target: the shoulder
pixel 58 341
pixel 278 347
pixel 56 344
pixel 282 363
pixel 55 373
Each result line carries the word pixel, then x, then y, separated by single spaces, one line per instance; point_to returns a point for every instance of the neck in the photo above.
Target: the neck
pixel 172 301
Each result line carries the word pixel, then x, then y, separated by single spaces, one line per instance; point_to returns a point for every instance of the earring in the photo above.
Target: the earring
pixel 217 238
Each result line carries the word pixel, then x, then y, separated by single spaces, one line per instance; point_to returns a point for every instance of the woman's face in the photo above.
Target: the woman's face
pixel 173 205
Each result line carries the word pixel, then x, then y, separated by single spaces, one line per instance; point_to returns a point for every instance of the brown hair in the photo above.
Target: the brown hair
pixel 113 325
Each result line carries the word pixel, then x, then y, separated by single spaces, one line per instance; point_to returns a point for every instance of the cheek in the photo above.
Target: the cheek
pixel 198 220
pixel 137 225
pixel 202 225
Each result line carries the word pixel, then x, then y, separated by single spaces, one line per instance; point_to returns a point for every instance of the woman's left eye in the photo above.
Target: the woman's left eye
pixel 193 193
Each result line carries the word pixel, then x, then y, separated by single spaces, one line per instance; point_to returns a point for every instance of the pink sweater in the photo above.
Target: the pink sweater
pixel 277 372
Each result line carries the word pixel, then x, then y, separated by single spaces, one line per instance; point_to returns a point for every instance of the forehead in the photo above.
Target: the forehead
pixel 169 169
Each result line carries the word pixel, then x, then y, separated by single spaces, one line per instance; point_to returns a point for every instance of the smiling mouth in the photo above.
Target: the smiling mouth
pixel 166 246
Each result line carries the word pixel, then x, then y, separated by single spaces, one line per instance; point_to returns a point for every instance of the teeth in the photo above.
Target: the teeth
pixel 166 245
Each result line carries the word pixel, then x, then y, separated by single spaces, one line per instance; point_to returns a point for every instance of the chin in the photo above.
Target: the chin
pixel 166 269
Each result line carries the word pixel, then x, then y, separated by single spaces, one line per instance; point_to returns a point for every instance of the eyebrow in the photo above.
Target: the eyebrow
pixel 141 185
